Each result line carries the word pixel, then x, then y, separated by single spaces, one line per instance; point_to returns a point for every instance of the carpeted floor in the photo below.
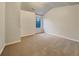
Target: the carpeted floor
pixel 42 45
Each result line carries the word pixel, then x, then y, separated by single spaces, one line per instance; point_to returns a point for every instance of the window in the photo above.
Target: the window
pixel 38 23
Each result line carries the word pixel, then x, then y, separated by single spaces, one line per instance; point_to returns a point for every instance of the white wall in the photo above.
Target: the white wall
pixel 2 26
pixel 12 22
pixel 63 21
pixel 28 23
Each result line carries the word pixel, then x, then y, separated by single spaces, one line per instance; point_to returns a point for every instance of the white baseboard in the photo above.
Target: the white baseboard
pixel 12 42
pixel 62 36
pixel 2 49
pixel 28 35
pixel 8 44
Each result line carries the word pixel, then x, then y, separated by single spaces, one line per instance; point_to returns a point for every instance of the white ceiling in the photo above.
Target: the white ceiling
pixel 41 8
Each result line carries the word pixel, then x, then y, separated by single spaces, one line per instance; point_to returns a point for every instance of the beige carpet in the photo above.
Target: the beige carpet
pixel 42 45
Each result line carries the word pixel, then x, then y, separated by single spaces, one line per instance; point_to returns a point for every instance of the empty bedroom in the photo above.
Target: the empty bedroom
pixel 39 28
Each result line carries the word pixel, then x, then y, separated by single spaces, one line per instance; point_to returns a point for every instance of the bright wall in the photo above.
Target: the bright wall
pixel 12 22
pixel 28 23
pixel 63 21
pixel 2 26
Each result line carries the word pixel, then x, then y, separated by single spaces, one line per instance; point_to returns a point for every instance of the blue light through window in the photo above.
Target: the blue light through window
pixel 38 23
